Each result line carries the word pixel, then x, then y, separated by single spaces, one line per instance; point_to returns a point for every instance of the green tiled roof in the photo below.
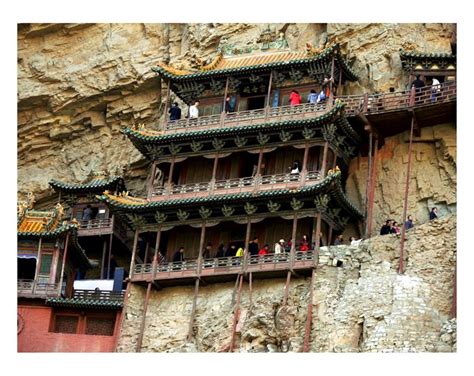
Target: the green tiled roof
pixel 48 234
pixel 280 65
pixel 94 185
pixel 422 55
pixel 84 303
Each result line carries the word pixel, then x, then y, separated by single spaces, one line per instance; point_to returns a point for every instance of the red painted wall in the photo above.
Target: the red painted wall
pixel 35 335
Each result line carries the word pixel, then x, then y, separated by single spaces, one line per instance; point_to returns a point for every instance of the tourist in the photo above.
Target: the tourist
pixel 228 105
pixel 295 98
pixel 386 227
pixel 220 251
pixel 179 255
pixel 206 252
pixel 339 240
pixel 295 169
pixel 230 252
pixel 312 96
pixel 253 247
pixel 395 228
pixel 304 244
pixel 194 111
pixel 409 223
pixel 288 246
pixel 280 246
pixel 175 112
pixel 355 241
pixel 327 86
pixel 434 213
pixel 418 82
pixel 264 250
pixel 321 96
pixel 87 215
pixel 435 89
pixel 240 252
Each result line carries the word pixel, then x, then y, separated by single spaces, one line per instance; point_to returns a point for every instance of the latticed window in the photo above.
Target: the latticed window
pixel 100 326
pixel 66 324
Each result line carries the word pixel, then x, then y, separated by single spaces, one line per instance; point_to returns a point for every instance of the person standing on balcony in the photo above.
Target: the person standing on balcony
pixel 264 250
pixel 339 240
pixel 240 252
pixel 175 112
pixel 179 255
pixel 228 105
pixel 435 90
pixel 326 87
pixel 312 96
pixel 295 169
pixel 194 111
pixel 304 244
pixel 206 252
pixel 280 246
pixel 253 247
pixel 220 251
pixel 230 252
pixel 87 215
pixel 418 82
pixel 295 98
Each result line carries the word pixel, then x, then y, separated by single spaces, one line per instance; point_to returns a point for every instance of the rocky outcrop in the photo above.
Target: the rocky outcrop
pixel 360 303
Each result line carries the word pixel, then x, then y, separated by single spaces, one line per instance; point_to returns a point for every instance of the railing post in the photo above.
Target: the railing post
pixel 134 251
pixel 170 177
pixel 201 247
pixel 365 106
pixel 155 255
pixel 305 163
pixel 293 240
pixel 412 96
pixel 324 162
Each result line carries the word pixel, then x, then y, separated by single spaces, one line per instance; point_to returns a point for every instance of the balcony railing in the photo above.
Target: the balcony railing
pixel 99 295
pixel 222 265
pixel 95 223
pixel 237 185
pixel 282 113
pixel 32 288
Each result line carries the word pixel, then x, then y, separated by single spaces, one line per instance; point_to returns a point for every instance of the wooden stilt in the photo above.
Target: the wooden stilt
pixel 122 318
pixel 259 163
pixel 325 158
pixel 110 256
pixel 145 259
pixel 304 168
pixel 150 182
pixel 193 311
pixel 250 287
pixel 405 200
pixel 287 287
pixel 134 252
pixel 247 241
pixel 234 292
pixel 267 99
pixel 330 235
pixel 201 246
pixel 63 266
pixel 331 86
pixel 214 172
pixel 168 89
pixel 309 315
pixel 37 270
pixel 317 235
pixel 236 314
pixel 155 256
pixel 142 324
pixel 453 312
pixel 367 185
pixel 293 240
pixel 170 177
pixel 104 256
pixel 372 188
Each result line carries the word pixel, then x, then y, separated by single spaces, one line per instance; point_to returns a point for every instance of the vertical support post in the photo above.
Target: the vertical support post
pixel 372 188
pixel 37 271
pixel 150 183
pixel 223 113
pixel 54 269
pixel 259 163
pixel 236 314
pixel 142 324
pixel 193 310
pixel 102 264
pixel 167 101
pixel 325 157
pixel 365 106
pixel 170 177
pixel 267 101
pixel 330 235
pixel 304 168
pixel 214 172
pixel 287 287
pixel 134 252
pixel 145 259
pixel 201 246
pixel 155 256
pixel 309 316
pixel 110 255
pixel 247 241
pixel 339 88
pixel 454 304
pixel 367 185
pixel 293 240
pixel 412 97
pixel 63 266
pixel 405 200
pixel 250 287
pixel 317 235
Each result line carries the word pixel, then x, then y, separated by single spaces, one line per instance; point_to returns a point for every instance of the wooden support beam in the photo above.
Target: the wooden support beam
pixel 372 189
pixel 193 311
pixel 304 168
pixel 134 252
pixel 267 99
pixel 145 258
pixel 37 270
pixel 236 314
pixel 325 158
pixel 339 83
pixel 122 317
pixel 250 287
pixel 453 312
pixel 104 256
pixel 234 291
pixel 150 182
pixel 329 235
pixel 63 266
pixel 168 89
pixel 224 103
pixel 309 315
pixel 201 246
pixel 287 287
pixel 155 255
pixel 405 201
pixel 317 236
pixel 259 163
pixel 367 185
pixel 331 86
pixel 110 255
pixel 214 172
pixel 293 240
pixel 170 177
pixel 142 324
pixel 247 241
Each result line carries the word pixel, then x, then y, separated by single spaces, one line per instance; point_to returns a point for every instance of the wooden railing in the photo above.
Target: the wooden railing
pixel 354 104
pixel 98 295
pixel 33 288
pixel 282 113
pixel 95 223
pixel 169 270
pixel 237 185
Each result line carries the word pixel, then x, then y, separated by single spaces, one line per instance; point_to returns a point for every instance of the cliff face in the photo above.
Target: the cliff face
pixel 364 305
pixel 78 84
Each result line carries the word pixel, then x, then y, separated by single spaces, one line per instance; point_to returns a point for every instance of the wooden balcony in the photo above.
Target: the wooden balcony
pixel 102 226
pixel 224 269
pixel 98 295
pixel 238 185
pixel 28 288
pixel 242 118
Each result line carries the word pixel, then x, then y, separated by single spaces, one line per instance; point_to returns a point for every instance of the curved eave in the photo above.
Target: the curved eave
pixel 444 56
pixel 139 138
pixel 327 53
pixel 45 234
pixel 84 303
pixel 321 187
pixel 111 183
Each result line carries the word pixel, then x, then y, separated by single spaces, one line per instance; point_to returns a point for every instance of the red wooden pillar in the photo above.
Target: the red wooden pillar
pixel 247 241
pixel 405 200
pixel 293 240
pixel 104 257
pixel 331 86
pixel 155 256
pixel 110 255
pixel 225 97
pixel 214 172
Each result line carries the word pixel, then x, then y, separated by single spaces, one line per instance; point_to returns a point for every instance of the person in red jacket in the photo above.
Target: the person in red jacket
pixel 304 244
pixel 264 250
pixel 295 98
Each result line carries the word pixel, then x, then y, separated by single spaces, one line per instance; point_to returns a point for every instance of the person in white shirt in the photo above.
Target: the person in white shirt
pixel 435 89
pixel 193 111
pixel 280 246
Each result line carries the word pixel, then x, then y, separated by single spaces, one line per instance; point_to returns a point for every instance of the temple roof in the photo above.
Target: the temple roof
pixel 261 62
pixel 331 185
pixel 427 61
pixel 84 303
pixel 93 184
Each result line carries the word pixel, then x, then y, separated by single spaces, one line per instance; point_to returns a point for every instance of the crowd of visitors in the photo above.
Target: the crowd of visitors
pixel 391 226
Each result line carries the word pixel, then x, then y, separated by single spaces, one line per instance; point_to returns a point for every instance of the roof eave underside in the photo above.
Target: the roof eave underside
pixel 60 186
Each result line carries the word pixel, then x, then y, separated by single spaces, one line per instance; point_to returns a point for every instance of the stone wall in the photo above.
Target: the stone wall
pixel 361 305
